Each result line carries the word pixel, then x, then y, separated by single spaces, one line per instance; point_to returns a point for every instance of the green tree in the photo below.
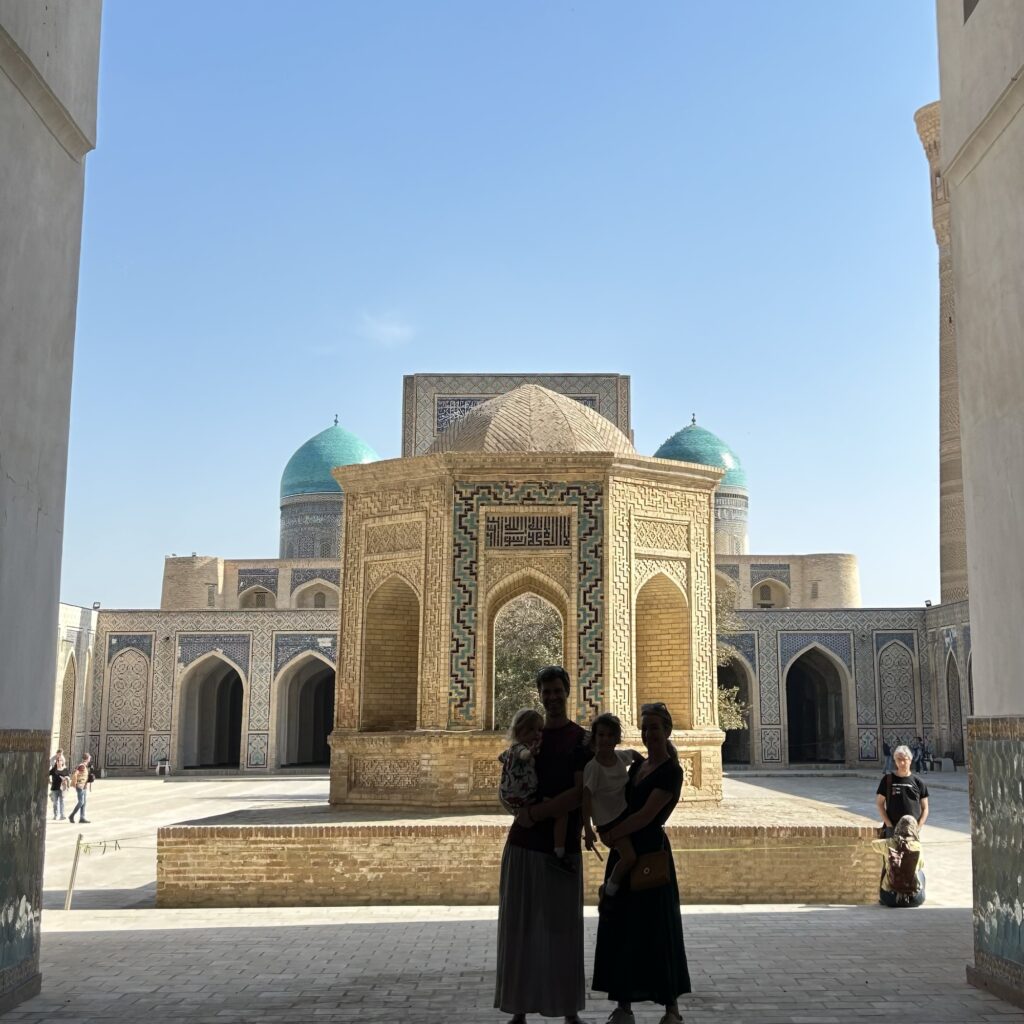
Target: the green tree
pixel 527 636
pixel 733 713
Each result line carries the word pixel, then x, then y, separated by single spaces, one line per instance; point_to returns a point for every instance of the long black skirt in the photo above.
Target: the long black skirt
pixel 640 955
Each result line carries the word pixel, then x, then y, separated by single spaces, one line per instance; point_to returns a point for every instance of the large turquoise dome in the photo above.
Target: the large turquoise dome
pixel 695 444
pixel 309 469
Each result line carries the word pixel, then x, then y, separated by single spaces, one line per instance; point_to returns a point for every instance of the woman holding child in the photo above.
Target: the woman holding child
pixel 640 956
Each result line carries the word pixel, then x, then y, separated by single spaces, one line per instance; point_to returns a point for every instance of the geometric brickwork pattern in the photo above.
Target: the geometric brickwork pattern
pixel 246 639
pixel 301 576
pixel 469 499
pixel 432 402
pixel 643 515
pixel 256 750
pixel 288 645
pixel 846 633
pixel 732 571
pixel 528 531
pixel 743 643
pixel 262 577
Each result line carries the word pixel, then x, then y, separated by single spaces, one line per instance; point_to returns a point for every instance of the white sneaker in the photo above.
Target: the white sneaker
pixel 619 1016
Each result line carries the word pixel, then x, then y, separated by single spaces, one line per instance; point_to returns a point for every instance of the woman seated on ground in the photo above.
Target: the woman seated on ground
pixel 902 881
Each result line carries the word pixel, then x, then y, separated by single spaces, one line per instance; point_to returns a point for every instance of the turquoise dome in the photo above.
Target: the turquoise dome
pixel 309 469
pixel 695 444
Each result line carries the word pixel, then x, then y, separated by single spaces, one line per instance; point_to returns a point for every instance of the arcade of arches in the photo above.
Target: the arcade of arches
pixel 814 710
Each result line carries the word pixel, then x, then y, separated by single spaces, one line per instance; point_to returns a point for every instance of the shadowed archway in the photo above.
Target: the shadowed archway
pixel 305 712
pixel 210 721
pixel 814 710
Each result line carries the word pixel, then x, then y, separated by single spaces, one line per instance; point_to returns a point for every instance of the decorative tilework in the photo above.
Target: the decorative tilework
pixel 128 689
pixel 288 645
pixel 896 684
pixel 790 644
pixel 118 642
pixel 860 623
pixel 192 646
pixel 867 745
pixel 745 643
pixel 159 748
pixel 469 498
pixel 883 637
pixel 727 569
pixel 430 400
pixel 769 571
pixel 124 750
pixel 266 578
pixel 771 745
pixel 256 750
pixel 303 576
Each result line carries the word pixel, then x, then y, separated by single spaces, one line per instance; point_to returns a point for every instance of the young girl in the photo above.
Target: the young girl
pixel 604 794
pixel 518 786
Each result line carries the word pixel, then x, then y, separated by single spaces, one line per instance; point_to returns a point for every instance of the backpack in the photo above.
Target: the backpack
pixel 901 868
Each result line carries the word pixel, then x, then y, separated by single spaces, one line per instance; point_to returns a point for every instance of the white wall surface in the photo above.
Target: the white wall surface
pixel 41 186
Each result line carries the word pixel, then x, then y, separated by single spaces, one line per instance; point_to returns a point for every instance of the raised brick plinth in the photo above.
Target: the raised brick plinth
pixel 458 864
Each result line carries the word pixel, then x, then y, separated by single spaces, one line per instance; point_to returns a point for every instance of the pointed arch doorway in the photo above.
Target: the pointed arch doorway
pixel 814 710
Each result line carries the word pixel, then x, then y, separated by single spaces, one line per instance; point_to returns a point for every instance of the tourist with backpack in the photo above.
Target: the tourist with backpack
pixel 901 792
pixel 902 882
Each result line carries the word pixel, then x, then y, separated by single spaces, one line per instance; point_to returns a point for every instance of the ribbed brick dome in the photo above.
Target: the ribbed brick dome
pixel 533 419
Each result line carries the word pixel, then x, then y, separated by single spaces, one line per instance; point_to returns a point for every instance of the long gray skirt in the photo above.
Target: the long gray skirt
pixel 540 936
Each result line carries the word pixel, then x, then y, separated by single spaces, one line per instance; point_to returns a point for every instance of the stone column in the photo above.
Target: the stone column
pixel 952 524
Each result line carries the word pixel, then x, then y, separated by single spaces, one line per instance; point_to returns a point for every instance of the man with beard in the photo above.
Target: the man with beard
pixel 540 914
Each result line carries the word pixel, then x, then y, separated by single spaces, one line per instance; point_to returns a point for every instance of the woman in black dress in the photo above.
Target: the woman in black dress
pixel 640 956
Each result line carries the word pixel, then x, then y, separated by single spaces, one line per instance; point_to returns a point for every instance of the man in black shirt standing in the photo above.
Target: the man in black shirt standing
pixel 902 792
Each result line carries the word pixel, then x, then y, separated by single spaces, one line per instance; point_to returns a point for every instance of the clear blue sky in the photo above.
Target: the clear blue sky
pixel 727 201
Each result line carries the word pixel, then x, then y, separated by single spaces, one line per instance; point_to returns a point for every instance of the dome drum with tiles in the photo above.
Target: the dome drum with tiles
pixel 311 502
pixel 697 445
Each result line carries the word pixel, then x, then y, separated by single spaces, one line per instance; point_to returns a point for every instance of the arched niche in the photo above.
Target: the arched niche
pixel 662 652
pixel 956 714
pixel 315 594
pixel 257 597
pixel 66 724
pixel 769 594
pixel 391 652
pixel 816 687
pixel 518 585
pixel 305 711
pixel 210 714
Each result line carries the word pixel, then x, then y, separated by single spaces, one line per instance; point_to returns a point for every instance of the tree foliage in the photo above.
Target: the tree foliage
pixel 527 636
pixel 733 713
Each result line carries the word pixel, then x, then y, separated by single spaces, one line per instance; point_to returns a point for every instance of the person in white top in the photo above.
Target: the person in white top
pixel 604 795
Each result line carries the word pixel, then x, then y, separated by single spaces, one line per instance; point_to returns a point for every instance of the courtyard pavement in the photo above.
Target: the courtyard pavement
pixel 115 958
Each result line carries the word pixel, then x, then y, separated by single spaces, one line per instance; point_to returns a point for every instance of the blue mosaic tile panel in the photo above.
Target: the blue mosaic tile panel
pixel 771 745
pixel 118 642
pixel 905 637
pixel 867 745
pixel 159 748
pixel 302 576
pixel 726 569
pixel 745 643
pixel 790 644
pixel 965 632
pixel 997 810
pixel 256 750
pixel 770 571
pixel 266 578
pixel 289 645
pixel 587 499
pixel 234 646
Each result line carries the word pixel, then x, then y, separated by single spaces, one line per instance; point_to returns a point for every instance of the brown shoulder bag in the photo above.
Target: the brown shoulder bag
pixel 651 871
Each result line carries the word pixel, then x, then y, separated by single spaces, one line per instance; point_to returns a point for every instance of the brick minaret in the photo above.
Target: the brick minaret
pixel 952 526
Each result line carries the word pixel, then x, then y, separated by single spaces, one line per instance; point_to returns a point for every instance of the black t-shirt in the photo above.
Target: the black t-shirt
pixel 56 774
pixel 905 796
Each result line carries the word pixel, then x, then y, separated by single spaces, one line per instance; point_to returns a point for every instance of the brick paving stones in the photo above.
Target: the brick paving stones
pixel 428 965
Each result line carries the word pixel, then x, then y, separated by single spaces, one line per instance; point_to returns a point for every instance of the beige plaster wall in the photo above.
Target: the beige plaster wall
pixel 837 577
